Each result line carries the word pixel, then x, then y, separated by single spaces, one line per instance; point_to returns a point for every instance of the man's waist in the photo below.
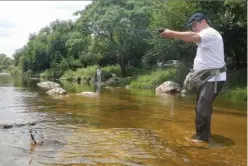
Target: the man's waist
pixel 220 69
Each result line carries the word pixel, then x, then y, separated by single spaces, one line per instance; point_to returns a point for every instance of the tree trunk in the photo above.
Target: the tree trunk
pixel 237 54
pixel 123 69
pixel 122 64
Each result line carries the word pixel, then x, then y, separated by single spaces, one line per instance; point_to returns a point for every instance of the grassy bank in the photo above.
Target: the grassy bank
pixel 236 86
pixel 235 94
pixel 235 89
pixel 137 78
pixel 140 78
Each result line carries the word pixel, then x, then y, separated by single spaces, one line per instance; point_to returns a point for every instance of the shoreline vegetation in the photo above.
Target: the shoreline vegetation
pixel 120 36
pixel 147 79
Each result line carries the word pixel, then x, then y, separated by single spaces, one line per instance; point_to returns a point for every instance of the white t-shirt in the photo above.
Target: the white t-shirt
pixel 210 53
pixel 98 72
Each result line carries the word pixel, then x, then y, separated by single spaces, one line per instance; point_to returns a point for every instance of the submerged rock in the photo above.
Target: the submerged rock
pixel 168 87
pixel 56 91
pixel 88 94
pixel 48 85
pixel 9 126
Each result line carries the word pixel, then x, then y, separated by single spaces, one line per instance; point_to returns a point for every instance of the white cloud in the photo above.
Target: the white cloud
pixel 20 18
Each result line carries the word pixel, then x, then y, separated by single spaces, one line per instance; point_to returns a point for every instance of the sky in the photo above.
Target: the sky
pixel 20 18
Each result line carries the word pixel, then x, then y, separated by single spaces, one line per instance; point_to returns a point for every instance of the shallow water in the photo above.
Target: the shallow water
pixel 117 127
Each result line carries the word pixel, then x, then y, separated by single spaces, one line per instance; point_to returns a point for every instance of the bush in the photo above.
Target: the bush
pixel 14 70
pixel 86 73
pixel 237 94
pixel 137 71
pixel 68 75
pixel 112 69
pixel 180 74
pixel 80 74
pixel 46 74
pixel 153 79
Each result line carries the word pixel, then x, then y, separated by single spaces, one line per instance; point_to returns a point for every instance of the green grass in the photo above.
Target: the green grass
pixel 81 73
pixel 140 78
pixel 235 94
pixel 236 87
pixel 14 70
pixel 115 69
pixel 153 79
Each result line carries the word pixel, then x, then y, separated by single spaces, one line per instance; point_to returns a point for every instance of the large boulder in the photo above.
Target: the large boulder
pixel 48 85
pixel 56 91
pixel 168 87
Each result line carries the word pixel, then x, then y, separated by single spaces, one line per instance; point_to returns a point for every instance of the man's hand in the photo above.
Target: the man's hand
pixel 167 33
pixel 160 30
pixel 188 36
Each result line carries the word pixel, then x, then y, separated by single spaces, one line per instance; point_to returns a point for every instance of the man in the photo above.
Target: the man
pixel 209 56
pixel 99 73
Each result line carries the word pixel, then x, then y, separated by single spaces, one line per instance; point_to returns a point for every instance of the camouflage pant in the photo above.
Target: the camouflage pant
pixel 204 109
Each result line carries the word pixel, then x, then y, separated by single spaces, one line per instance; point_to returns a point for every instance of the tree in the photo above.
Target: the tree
pixel 5 62
pixel 112 23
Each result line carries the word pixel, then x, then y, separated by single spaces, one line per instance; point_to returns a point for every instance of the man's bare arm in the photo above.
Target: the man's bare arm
pixel 188 36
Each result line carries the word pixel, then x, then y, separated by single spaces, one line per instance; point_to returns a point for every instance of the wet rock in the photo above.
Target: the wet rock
pixel 88 94
pixel 112 80
pixel 32 124
pixel 183 92
pixel 56 91
pixel 7 126
pixel 107 87
pixel 48 85
pixel 127 87
pixel 168 87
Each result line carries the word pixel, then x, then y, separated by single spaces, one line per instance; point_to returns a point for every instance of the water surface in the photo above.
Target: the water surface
pixel 118 127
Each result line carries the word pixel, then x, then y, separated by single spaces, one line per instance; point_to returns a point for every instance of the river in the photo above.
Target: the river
pixel 118 127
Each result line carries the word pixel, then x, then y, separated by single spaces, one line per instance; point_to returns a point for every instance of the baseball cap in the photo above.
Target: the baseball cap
pixel 196 17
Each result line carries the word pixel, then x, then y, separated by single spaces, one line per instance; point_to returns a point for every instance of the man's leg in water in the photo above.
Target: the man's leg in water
pixel 204 109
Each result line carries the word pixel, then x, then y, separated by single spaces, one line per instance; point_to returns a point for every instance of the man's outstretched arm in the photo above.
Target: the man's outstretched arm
pixel 188 36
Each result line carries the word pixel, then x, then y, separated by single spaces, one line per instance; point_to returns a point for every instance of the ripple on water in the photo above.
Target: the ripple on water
pixel 123 146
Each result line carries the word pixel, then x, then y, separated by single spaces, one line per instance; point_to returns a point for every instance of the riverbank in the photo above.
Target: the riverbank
pixel 235 89
pixel 148 79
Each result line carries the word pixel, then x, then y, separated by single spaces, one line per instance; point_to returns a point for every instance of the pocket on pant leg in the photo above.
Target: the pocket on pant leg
pixel 207 91
pixel 204 107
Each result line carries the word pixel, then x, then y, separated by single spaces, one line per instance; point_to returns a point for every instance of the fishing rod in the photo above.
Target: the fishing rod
pixel 158 30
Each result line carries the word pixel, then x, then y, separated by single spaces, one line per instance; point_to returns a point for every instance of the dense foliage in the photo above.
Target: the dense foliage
pixel 122 32
pixel 5 62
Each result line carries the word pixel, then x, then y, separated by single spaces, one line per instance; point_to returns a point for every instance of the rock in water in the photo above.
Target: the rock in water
pixel 56 91
pixel 48 85
pixel 127 87
pixel 88 94
pixel 168 87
